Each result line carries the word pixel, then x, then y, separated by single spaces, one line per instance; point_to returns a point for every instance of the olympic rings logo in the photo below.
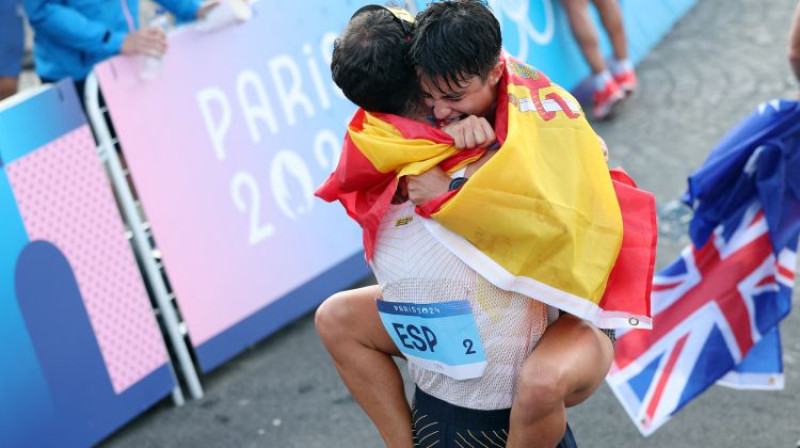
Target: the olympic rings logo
pixel 518 12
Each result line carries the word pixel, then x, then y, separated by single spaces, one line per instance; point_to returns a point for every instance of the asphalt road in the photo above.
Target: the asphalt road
pixel 721 60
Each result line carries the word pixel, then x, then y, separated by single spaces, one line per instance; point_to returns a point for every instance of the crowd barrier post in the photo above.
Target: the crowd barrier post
pixel 107 151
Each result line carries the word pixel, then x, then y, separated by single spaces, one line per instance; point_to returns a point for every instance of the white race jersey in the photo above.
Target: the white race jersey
pixel 413 267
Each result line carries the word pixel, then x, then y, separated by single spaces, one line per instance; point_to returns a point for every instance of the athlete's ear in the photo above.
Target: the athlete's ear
pixel 496 73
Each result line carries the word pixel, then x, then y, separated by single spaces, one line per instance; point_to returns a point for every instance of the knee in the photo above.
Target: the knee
pixel 333 317
pixel 541 386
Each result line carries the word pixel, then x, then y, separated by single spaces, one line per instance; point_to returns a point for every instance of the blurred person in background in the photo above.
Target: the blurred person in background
pixel 12 46
pixel 794 50
pixel 611 82
pixel 71 36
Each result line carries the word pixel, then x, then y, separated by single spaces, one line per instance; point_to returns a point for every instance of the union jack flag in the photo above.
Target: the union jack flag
pixel 717 307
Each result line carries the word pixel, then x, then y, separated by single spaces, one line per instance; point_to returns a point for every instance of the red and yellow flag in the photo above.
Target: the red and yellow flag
pixel 542 217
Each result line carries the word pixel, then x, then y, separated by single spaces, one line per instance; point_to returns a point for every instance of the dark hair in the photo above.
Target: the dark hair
pixel 456 40
pixel 370 62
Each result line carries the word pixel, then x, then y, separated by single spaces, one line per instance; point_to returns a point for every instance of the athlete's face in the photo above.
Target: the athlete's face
pixel 474 96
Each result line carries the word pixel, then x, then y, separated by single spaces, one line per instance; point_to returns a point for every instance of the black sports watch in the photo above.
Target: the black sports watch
pixel 456 183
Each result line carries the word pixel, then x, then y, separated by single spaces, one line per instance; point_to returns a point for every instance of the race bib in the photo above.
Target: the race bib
pixel 440 337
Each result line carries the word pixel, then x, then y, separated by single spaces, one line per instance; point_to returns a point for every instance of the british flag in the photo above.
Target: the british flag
pixel 717 307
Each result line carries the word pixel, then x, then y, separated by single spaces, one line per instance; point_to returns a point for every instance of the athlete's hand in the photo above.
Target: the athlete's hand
pixel 471 132
pixel 427 186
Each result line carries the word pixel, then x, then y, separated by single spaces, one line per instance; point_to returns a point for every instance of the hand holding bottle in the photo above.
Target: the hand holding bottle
pixel 148 41
pixel 154 45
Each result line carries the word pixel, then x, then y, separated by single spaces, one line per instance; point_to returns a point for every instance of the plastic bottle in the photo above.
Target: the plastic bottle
pixel 151 65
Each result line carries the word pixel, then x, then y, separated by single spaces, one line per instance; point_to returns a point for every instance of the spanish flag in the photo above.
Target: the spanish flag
pixel 543 217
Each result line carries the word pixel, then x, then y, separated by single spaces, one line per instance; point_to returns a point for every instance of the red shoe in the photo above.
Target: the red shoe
pixel 626 81
pixel 606 99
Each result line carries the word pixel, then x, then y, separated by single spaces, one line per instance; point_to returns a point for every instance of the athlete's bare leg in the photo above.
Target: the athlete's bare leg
pixel 567 365
pixel 350 327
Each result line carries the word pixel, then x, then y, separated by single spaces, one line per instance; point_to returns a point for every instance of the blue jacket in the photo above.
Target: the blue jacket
pixel 71 36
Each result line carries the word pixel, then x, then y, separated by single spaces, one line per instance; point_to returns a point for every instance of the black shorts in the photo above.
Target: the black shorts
pixel 439 424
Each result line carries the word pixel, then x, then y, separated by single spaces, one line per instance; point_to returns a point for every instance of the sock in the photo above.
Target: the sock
pixel 621 66
pixel 601 79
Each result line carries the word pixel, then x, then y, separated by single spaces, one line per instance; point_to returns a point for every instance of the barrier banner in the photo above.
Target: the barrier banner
pixel 225 146
pixel 82 352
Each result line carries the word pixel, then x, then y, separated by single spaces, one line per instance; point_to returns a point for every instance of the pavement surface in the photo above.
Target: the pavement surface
pixel 719 62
